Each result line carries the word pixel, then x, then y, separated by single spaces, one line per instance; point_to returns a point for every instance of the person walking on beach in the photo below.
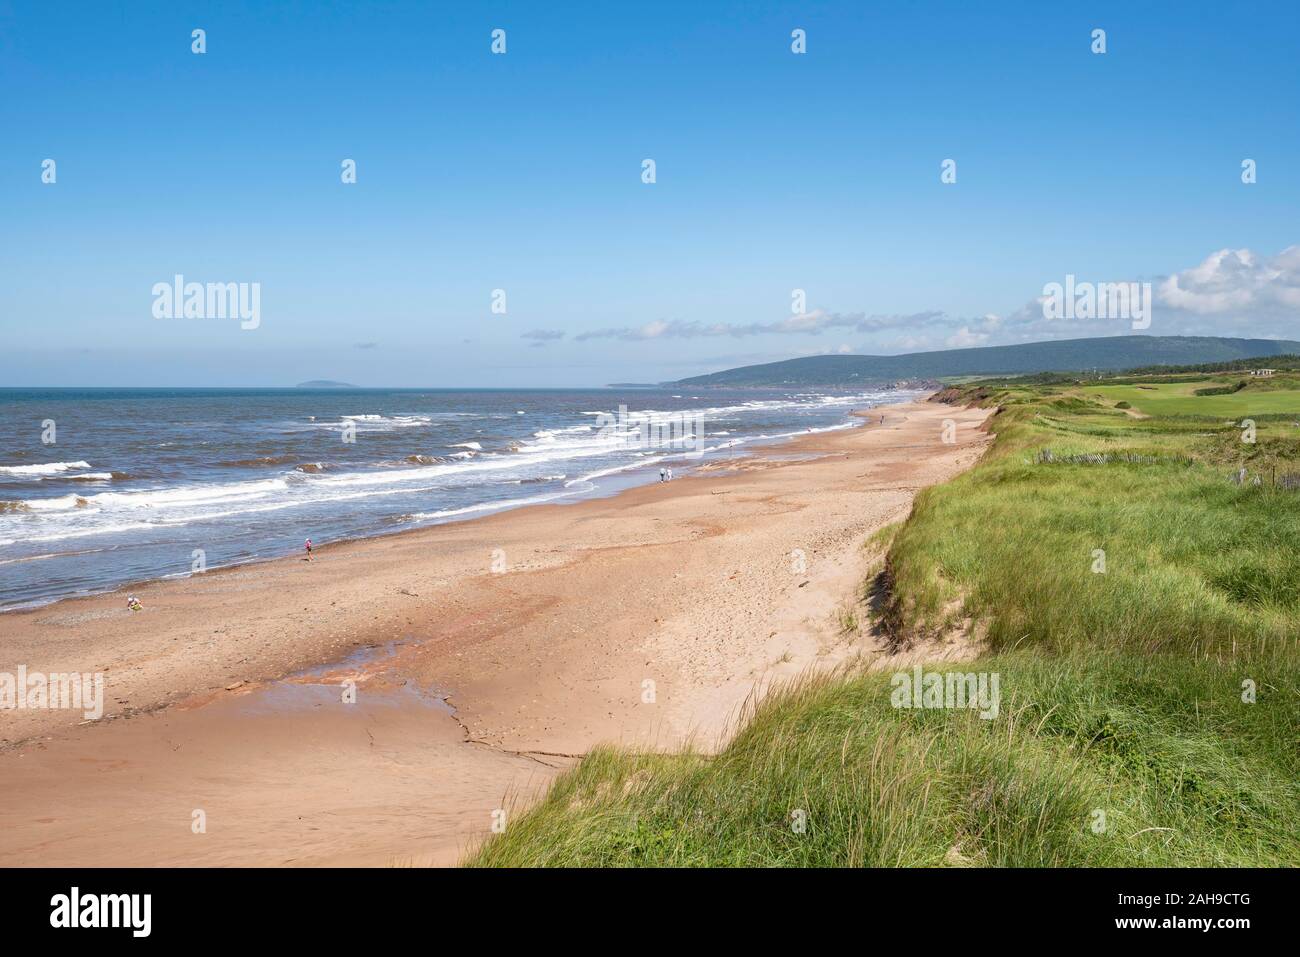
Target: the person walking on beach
pixel 308 547
pixel 663 475
pixel 670 475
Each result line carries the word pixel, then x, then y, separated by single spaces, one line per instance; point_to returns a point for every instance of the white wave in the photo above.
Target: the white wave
pixel 162 497
pixel 57 504
pixel 799 401
pixel 370 422
pixel 552 433
pixel 49 468
pixel 490 506
pixel 80 532
pixel 613 470
pixel 828 428
pixel 731 444
pixel 600 451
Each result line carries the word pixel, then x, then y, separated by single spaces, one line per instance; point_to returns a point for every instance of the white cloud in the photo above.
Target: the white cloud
pixel 810 323
pixel 1233 292
pixel 964 338
pixel 1236 281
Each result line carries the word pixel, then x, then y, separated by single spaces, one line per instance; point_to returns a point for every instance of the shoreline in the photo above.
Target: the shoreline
pixel 757 447
pixel 644 618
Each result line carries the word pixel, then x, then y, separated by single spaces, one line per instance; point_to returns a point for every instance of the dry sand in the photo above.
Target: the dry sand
pixel 640 619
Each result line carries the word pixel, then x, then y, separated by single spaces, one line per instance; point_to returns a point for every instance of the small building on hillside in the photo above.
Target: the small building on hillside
pixel 1262 372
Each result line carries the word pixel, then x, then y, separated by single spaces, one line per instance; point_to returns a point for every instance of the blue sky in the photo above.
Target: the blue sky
pixel 522 172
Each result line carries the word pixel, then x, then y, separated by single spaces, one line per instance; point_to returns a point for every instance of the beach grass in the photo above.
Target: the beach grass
pixel 1138 597
pixel 1110 760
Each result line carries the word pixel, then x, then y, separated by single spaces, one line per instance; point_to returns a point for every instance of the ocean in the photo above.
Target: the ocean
pixel 102 487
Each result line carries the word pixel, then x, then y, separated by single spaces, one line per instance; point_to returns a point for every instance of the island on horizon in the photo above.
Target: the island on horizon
pixel 325 384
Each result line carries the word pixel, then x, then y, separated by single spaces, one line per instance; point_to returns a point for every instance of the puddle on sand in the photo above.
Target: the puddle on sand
pixel 372 673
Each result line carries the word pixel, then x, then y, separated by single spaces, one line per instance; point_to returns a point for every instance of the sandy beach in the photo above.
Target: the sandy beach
pixel 486 656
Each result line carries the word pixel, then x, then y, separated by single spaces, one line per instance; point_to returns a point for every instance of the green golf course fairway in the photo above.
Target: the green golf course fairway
pixel 1259 397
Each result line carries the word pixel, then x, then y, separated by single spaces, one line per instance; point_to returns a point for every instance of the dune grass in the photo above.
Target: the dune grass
pixel 1150 705
pixel 1093 761
pixel 1193 562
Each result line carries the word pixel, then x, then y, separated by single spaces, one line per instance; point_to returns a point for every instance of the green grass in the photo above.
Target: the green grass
pixel 1194 563
pixel 1259 397
pixel 1183 772
pixel 1121 691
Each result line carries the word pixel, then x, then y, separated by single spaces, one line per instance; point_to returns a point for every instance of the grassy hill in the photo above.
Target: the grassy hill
pixel 1150 706
pixel 1111 353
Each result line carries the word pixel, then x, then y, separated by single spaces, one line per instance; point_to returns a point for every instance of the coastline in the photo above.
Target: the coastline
pixel 618 479
pixel 477 683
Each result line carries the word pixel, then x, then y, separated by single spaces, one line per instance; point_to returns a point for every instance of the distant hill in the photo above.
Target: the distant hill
pixel 1109 353
pixel 324 384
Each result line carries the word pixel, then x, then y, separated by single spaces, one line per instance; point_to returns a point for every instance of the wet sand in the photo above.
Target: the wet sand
pixel 485 656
